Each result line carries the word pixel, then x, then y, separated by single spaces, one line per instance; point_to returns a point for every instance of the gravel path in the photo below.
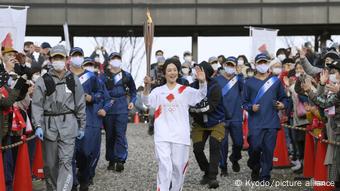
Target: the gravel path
pixel 141 169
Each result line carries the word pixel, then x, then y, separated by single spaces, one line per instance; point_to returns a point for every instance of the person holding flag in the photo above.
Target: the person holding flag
pixel 232 85
pixel 263 97
pixel 172 128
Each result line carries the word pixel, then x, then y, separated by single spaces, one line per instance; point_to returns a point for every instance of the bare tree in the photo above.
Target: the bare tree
pixel 131 49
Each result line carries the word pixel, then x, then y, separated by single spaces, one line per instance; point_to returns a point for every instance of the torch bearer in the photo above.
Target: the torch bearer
pixel 148 39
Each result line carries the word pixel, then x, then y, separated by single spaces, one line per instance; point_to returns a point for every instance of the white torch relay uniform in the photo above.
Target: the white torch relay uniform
pixel 172 131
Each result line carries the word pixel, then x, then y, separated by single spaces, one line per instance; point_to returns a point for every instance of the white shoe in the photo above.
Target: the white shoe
pixel 294 162
pixel 297 166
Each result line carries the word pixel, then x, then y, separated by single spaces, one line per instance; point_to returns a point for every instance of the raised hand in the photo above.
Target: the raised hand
pixel 324 76
pixel 200 74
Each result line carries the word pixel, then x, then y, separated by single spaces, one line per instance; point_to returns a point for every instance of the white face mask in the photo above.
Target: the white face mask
pixel 297 75
pixel 158 57
pixel 89 68
pixel 281 57
pixel 28 65
pixel 277 71
pixel 332 78
pixel 240 62
pixel 229 70
pixel 35 77
pixel 215 66
pixel 116 63
pixel 58 65
pixel 262 68
pixel 250 74
pixel 77 61
pixel 97 59
pixel 188 58
pixel 185 71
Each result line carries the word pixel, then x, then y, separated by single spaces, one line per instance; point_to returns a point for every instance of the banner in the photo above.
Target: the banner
pixel 263 41
pixel 13 25
pixel 67 37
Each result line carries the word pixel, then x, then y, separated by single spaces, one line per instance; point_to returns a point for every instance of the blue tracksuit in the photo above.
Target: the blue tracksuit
pixel 232 101
pixel 88 148
pixel 116 119
pixel 263 124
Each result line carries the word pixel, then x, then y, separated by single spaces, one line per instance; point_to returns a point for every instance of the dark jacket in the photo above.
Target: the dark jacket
pixel 6 102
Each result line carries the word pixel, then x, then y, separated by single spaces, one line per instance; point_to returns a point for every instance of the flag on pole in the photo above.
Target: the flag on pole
pixel 148 39
pixel 13 26
pixel 67 37
pixel 263 41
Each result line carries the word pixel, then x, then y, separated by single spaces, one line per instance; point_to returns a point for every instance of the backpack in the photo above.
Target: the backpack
pixel 51 86
pixel 110 84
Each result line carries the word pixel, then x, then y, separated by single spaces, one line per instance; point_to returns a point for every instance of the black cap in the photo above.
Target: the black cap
pixel 159 51
pixel 335 65
pixel 332 54
pixel 45 45
pixel 288 60
pixel 115 54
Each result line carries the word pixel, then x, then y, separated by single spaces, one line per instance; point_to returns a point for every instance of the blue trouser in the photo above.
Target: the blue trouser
pixel 116 142
pixel 8 164
pixel 236 134
pixel 86 152
pixel 261 150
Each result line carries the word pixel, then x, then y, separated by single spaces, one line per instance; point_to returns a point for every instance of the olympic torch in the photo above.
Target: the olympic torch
pixel 148 39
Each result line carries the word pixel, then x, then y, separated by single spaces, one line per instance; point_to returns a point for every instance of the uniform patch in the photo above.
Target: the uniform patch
pixel 170 97
pixel 158 112
pixel 181 89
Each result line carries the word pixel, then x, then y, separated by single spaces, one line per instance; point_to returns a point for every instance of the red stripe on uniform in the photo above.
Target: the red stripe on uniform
pixel 158 112
pixel 158 189
pixel 181 89
pixel 185 167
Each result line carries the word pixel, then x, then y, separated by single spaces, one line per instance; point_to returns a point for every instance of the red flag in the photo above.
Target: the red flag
pixel 8 41
pixel 263 48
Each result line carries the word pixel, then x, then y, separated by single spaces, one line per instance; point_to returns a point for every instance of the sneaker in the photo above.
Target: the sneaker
pixel 213 184
pixel 255 175
pixel 111 166
pixel 294 162
pixel 204 180
pixel 236 167
pixel 119 166
pixel 84 187
pixel 297 166
pixel 299 170
pixel 224 172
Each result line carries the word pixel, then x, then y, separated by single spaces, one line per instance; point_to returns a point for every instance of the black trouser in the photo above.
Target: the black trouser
pixel 210 169
pixel 299 142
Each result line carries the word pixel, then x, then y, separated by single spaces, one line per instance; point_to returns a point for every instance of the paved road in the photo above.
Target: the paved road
pixel 141 169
